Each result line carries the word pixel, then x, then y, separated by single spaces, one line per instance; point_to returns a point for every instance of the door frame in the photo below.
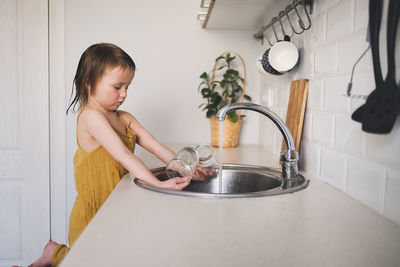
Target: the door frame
pixel 57 120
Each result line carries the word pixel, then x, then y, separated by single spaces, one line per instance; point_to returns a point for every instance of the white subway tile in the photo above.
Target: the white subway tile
pixel 326 59
pixel 348 136
pixel 307 125
pixel 278 142
pixel 361 14
pixel 267 136
pixel 339 20
pixel 385 148
pixel 392 196
pixel 349 51
pixel 316 35
pixel 305 68
pixel 268 97
pixel 323 128
pixel 323 5
pixel 310 157
pixel 365 182
pixel 282 96
pixel 315 94
pixel 333 168
pixel 334 89
pixel 363 84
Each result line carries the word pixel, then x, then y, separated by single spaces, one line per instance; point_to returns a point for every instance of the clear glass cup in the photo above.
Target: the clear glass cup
pixel 188 155
pixel 178 168
pixel 207 156
pixel 187 159
pixel 183 164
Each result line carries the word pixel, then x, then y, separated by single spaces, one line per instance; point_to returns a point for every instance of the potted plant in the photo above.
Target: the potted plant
pixel 230 88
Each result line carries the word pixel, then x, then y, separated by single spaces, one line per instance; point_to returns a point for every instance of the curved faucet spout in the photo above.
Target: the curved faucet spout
pixel 290 156
pixel 287 136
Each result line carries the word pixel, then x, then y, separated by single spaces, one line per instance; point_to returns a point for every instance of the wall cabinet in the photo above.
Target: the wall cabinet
pixel 238 14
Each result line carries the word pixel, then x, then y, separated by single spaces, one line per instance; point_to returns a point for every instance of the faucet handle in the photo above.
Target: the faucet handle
pixel 289 160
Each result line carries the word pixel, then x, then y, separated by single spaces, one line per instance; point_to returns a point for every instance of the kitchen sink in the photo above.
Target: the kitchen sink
pixel 237 181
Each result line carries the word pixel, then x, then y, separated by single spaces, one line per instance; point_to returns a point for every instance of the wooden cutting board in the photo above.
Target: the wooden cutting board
pixel 296 110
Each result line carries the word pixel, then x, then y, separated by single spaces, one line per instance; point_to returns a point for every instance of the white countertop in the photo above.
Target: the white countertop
pixel 317 226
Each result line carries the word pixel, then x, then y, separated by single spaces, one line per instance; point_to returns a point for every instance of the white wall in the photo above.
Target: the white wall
pixel 170 50
pixel 334 148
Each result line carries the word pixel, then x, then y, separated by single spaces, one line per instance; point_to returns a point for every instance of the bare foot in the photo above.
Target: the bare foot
pixel 45 259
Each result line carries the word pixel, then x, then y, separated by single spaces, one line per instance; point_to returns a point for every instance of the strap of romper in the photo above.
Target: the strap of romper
pixel 126 124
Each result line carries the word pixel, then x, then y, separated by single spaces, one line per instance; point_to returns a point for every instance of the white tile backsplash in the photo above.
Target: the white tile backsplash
pixel 384 149
pixel 333 168
pixel 323 125
pixel 307 126
pixel 365 181
pixel 334 147
pixel 334 89
pixel 315 95
pixel 392 196
pixel 350 50
pixel 316 35
pixel 361 11
pixel 363 84
pixel 310 157
pixel 340 20
pixel 326 59
pixel 348 136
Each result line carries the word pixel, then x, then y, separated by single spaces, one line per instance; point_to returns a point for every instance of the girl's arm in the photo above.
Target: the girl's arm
pixel 147 141
pixel 98 127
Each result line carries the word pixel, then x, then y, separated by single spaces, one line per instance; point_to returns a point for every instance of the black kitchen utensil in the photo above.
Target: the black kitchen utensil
pixel 379 113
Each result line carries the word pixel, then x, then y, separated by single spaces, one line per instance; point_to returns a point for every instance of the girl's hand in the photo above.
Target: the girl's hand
pixel 177 183
pixel 201 173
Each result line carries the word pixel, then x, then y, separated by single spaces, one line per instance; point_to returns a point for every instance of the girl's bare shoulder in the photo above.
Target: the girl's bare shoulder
pixel 128 117
pixel 90 114
pixel 91 118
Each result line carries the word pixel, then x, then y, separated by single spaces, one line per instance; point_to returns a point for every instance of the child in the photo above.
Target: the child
pixel 106 140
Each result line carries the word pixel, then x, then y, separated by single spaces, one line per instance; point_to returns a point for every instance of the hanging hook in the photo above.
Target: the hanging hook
pixel 282 28
pixel 273 20
pixel 301 22
pixel 282 14
pixel 273 28
pixel 290 23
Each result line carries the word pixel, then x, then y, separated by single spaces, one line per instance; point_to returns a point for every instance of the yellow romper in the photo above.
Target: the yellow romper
pixel 96 173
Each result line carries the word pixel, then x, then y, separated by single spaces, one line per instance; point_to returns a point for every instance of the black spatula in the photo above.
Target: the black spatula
pixel 379 113
pixel 375 17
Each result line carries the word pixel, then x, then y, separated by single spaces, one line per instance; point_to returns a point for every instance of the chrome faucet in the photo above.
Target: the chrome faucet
pixel 289 157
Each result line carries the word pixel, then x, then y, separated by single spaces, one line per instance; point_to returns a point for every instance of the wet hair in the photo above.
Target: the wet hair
pixel 92 64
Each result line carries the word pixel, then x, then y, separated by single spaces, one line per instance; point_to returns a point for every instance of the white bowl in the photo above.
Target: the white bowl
pixel 283 56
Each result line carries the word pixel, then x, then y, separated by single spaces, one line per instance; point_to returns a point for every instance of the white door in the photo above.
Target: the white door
pixel 24 130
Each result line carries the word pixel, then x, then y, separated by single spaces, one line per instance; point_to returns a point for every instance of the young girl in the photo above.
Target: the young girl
pixel 106 140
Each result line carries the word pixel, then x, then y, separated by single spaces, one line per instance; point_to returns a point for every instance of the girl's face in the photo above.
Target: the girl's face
pixel 111 89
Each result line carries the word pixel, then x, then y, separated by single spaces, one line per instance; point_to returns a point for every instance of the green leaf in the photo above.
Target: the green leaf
pixel 218 100
pixel 204 75
pixel 247 97
pixel 222 83
pixel 221 67
pixel 210 112
pixel 233 116
pixel 229 58
pixel 206 92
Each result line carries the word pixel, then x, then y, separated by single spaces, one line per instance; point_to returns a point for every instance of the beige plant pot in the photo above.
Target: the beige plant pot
pixel 231 132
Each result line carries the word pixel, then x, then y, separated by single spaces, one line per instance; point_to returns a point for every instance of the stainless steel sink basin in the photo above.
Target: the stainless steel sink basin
pixel 237 181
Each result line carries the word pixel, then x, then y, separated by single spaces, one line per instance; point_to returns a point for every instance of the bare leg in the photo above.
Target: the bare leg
pixel 45 259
